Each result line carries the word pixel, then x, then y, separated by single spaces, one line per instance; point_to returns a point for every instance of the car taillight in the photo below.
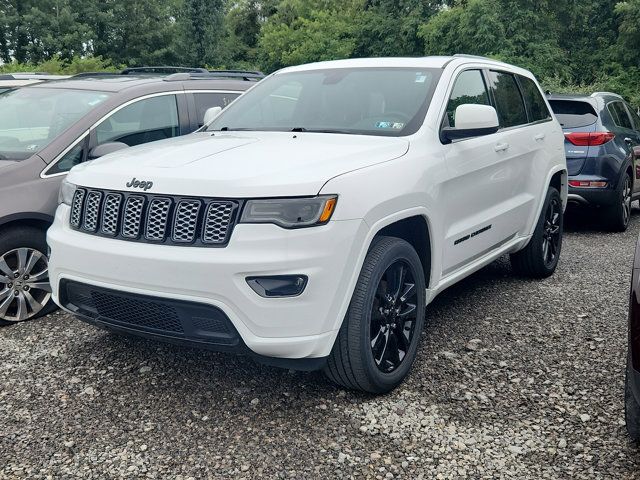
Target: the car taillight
pixel 589 139
pixel 587 184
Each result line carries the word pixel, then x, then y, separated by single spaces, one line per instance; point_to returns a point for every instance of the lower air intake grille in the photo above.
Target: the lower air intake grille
pixel 145 314
pixel 200 222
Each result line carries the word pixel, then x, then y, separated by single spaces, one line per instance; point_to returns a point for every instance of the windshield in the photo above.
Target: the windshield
pixel 31 118
pixel 365 101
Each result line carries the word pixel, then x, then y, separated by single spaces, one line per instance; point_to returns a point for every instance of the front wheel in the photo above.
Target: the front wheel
pixel 378 340
pixel 540 257
pixel 25 292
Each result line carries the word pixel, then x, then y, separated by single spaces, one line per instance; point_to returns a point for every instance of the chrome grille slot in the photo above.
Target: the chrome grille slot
pixel 217 220
pixel 167 220
pixel 132 216
pixel 76 207
pixel 186 221
pixel 92 211
pixel 111 213
pixel 157 219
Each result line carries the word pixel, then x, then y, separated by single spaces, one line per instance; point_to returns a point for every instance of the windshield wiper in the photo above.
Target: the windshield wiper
pixel 320 130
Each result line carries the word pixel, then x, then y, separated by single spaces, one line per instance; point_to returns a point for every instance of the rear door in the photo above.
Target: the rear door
pixel 624 130
pixel 635 118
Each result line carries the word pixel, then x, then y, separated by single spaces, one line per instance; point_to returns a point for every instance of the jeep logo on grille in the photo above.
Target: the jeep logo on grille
pixel 135 183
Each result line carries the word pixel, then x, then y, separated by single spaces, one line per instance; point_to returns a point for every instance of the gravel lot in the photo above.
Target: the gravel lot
pixel 514 379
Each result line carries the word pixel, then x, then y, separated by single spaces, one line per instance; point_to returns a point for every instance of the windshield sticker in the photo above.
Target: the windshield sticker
pixel 420 78
pixel 391 125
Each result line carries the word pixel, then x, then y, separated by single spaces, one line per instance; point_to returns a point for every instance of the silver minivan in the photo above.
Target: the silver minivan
pixel 48 128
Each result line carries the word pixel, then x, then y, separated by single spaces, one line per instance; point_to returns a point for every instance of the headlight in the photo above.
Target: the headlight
pixel 65 195
pixel 290 212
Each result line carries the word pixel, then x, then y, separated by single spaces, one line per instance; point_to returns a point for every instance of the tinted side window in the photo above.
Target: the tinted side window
pixel 533 98
pixel 635 118
pixel 469 88
pixel 620 115
pixel 509 104
pixel 205 101
pixel 141 122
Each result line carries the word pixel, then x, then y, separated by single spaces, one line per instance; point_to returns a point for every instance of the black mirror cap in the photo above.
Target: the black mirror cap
pixel 449 134
pixel 106 148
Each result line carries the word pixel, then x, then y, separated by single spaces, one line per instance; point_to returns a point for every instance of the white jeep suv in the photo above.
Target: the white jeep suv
pixel 311 222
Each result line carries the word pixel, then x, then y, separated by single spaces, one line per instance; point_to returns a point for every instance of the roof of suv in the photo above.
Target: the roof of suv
pixel 584 97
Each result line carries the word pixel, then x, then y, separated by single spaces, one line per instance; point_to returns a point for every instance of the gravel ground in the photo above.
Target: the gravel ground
pixel 514 379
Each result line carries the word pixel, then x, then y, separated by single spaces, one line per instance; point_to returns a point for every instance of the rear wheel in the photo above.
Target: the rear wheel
pixel 378 340
pixel 631 407
pixel 25 292
pixel 619 214
pixel 540 257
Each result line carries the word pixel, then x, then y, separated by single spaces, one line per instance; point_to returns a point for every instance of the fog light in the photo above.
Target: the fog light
pixel 587 184
pixel 278 285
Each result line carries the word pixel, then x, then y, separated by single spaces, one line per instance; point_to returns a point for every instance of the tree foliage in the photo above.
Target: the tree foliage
pixel 568 44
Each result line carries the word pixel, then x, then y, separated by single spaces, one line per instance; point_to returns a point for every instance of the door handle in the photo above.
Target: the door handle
pixel 539 137
pixel 501 147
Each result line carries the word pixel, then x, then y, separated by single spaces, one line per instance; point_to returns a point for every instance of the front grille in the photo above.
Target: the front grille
pixel 202 222
pixel 145 314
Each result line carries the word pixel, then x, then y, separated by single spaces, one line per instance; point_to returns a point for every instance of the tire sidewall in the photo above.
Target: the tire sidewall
pixel 400 250
pixel 552 194
pixel 29 237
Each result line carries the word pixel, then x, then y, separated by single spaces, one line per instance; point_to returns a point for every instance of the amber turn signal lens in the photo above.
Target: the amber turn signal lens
pixel 329 207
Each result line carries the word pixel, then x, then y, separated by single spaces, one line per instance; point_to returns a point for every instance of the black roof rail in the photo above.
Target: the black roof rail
pixel 216 74
pixel 95 74
pixel 167 70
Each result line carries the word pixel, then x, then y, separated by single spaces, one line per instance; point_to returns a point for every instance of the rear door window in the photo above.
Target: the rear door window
pixel 536 106
pixel 634 117
pixel 574 113
pixel 620 115
pixel 509 102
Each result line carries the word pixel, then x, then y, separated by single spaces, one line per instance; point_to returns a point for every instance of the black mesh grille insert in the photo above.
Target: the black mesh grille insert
pixel 137 312
pixel 142 313
pixel 200 222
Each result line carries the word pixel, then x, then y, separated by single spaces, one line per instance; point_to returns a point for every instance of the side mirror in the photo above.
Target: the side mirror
pixel 472 121
pixel 106 148
pixel 211 114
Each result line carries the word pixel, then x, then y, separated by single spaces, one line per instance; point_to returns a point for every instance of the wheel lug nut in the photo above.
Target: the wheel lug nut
pixel 25 288
pixel 16 293
pixel 26 277
pixel 16 275
pixel 9 285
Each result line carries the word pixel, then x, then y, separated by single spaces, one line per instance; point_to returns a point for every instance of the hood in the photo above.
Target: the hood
pixel 239 164
pixel 6 163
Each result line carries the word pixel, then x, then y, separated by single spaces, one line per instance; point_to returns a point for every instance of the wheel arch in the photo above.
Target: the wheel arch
pixel 415 230
pixel 27 219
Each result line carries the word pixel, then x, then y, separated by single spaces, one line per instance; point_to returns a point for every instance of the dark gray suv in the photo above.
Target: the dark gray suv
pixel 48 128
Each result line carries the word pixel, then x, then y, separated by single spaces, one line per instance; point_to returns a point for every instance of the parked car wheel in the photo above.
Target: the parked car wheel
pixel 539 258
pixel 378 340
pixel 25 292
pixel 631 408
pixel 619 214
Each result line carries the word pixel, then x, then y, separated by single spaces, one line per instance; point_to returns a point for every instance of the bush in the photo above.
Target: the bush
pixel 58 66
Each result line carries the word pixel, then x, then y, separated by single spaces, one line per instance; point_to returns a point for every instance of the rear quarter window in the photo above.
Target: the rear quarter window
pixel 574 113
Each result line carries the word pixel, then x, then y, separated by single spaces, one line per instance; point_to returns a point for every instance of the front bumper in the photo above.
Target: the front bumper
pixel 292 328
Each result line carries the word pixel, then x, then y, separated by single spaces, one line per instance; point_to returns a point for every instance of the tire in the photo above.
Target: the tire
pixel 540 257
pixel 631 408
pixel 618 215
pixel 24 269
pixel 372 329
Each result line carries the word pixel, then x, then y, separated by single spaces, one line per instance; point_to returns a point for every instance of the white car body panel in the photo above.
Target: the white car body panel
pixel 460 189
